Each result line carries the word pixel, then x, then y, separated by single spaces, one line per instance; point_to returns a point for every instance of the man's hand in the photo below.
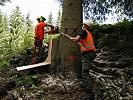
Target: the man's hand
pixel 67 36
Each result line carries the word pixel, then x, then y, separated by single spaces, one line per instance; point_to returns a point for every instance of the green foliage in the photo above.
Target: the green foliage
pixel 28 33
pixel 4 35
pixel 100 9
pixel 117 35
pixel 122 42
pixel 16 33
pixel 50 19
pixel 4 64
pixel 58 22
pixel 49 37
pixel 27 82
pixel 16 24
pixel 20 31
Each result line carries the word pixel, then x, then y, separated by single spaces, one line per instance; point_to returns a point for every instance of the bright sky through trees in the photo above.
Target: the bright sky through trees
pixel 34 7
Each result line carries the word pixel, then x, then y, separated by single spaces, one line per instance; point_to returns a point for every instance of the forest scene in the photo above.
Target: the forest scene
pixel 111 71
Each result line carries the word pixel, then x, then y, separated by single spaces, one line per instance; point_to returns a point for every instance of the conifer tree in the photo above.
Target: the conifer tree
pixel 16 33
pixel 101 9
pixel 4 35
pixel 16 24
pixel 58 22
pixel 50 19
pixel 28 33
pixel 21 31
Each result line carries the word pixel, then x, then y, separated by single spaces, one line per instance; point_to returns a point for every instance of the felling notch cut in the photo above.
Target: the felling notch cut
pixel 46 62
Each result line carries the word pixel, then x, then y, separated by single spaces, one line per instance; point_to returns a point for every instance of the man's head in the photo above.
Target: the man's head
pixel 87 24
pixel 40 19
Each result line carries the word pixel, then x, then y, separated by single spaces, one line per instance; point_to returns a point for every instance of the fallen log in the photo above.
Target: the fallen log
pixel 32 66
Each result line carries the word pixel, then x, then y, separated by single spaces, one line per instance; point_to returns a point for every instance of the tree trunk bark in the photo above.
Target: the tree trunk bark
pixel 65 53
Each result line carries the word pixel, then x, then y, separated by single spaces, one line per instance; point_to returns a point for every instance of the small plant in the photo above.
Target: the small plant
pixel 4 64
pixel 27 81
pixel 49 37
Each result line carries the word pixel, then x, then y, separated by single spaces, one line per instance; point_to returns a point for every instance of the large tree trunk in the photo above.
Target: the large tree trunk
pixel 65 53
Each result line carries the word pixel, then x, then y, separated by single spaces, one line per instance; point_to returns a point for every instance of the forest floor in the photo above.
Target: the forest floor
pixel 111 75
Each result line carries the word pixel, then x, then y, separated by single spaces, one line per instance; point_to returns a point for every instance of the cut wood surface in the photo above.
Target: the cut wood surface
pixel 46 62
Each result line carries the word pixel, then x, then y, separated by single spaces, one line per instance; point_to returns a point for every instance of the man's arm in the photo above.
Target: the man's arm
pixel 49 25
pixel 82 35
pixel 75 39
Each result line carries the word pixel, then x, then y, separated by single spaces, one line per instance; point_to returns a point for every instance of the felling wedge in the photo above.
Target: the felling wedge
pixel 46 62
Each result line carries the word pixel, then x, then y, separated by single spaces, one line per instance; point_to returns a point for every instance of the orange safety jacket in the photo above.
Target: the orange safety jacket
pixel 39 30
pixel 88 43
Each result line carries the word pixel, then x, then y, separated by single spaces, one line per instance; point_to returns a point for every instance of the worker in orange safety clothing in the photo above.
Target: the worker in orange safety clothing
pixel 39 37
pixel 88 53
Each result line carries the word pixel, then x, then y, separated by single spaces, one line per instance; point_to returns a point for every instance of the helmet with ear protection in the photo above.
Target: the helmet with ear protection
pixel 42 19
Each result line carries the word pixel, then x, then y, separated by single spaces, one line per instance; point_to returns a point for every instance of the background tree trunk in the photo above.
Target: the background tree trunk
pixel 65 53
